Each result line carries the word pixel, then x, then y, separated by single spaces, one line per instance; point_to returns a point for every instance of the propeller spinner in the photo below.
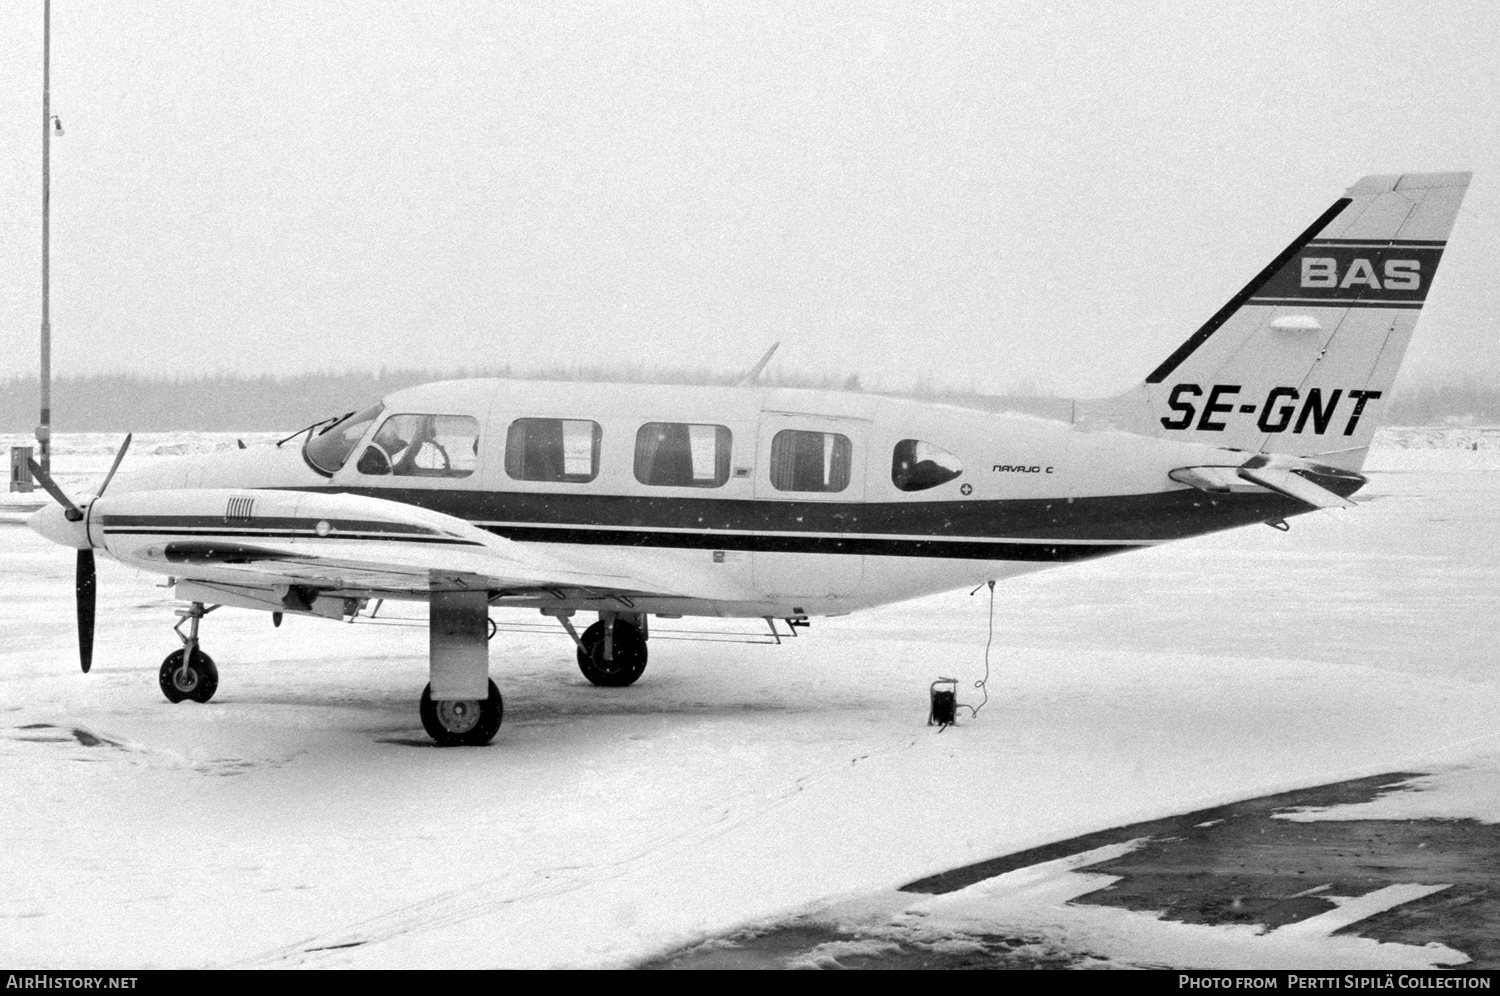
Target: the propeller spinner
pixel 67 524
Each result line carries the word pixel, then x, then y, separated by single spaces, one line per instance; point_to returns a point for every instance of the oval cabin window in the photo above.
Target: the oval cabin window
pixel 917 466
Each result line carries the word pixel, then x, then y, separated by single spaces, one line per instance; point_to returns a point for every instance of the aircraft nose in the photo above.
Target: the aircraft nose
pixel 52 523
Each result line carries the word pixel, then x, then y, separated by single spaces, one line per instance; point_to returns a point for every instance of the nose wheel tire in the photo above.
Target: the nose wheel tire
pixel 627 662
pixel 198 682
pixel 462 722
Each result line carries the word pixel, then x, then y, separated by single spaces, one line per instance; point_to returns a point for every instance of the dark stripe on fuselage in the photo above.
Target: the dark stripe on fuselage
pixel 960 529
pixel 973 549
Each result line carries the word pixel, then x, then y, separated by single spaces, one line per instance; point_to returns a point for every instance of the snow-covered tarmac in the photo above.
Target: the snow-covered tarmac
pixel 301 819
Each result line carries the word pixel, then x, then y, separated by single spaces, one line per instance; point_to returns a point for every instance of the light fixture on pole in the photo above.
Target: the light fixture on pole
pixel 44 426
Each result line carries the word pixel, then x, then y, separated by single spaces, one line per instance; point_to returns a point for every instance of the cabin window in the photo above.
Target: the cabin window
pixel 423 446
pixel 553 449
pixel 810 461
pixel 917 466
pixel 327 450
pixel 682 455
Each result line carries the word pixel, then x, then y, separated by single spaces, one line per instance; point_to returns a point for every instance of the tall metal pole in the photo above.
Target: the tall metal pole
pixel 44 429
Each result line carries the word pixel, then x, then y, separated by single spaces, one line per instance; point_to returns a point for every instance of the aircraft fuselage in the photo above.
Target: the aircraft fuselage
pixel 1016 493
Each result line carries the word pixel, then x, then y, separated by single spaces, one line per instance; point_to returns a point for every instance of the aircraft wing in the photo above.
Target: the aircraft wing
pixel 349 543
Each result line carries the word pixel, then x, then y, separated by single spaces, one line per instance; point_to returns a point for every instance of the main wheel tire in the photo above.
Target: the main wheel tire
pixel 199 682
pixel 629 656
pixel 462 722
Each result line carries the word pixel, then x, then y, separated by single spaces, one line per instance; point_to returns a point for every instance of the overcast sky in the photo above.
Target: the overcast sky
pixel 1002 195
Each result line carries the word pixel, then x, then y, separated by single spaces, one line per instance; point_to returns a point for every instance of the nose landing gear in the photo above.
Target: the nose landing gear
pixel 189 673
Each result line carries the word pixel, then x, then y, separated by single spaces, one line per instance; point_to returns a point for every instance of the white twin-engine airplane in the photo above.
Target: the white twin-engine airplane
pixel 630 501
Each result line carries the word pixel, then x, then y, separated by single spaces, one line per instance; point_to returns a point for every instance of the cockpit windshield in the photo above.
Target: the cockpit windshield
pixel 326 451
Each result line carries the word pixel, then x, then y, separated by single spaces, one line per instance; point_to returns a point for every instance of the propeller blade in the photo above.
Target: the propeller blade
pixel 85 581
pixel 116 465
pixel 52 489
pixel 86 592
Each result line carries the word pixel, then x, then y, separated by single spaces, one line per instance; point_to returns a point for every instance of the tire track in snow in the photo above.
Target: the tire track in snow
pixel 492 895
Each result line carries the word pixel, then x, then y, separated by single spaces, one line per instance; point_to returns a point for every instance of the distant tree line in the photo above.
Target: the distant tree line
pixel 227 402
pixel 1435 404
pixel 231 403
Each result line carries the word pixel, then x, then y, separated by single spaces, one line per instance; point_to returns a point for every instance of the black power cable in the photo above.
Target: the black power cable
pixel 983 682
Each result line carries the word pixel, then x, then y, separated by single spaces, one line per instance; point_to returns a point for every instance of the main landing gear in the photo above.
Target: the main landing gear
pixel 612 652
pixel 462 722
pixel 460 706
pixel 189 673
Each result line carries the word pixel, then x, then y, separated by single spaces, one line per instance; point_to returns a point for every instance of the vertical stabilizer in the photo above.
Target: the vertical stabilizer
pixel 1302 360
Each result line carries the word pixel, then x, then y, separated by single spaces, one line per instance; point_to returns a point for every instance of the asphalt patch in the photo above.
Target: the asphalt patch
pixel 1252 868
pixel 1232 864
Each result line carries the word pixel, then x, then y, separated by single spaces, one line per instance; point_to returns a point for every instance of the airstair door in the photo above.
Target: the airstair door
pixel 809 490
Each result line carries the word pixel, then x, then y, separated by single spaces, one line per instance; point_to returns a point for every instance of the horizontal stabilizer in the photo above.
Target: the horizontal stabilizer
pixel 1294 486
pixel 1269 473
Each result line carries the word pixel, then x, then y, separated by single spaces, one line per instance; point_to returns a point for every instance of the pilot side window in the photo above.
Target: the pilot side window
pixel 680 455
pixel 553 449
pixel 810 461
pixel 423 446
pixel 917 466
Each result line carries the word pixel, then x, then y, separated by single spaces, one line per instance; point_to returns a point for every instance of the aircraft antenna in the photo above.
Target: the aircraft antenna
pixel 755 371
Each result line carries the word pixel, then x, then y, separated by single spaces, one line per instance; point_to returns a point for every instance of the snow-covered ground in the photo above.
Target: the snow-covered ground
pixel 301 819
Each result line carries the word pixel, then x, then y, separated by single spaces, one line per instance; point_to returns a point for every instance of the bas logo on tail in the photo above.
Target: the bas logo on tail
pixel 1353 273
pixel 1323 271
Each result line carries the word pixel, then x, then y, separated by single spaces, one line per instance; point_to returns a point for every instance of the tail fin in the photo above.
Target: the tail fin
pixel 1301 360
